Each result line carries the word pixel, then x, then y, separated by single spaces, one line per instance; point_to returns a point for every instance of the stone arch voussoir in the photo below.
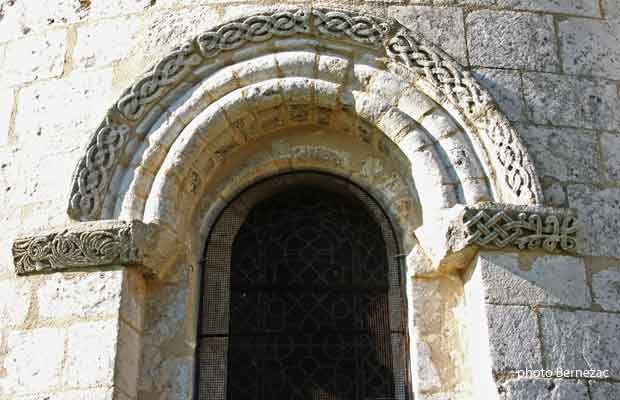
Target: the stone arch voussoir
pixel 315 59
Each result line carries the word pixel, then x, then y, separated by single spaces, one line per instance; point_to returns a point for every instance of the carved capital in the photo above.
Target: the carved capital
pixel 87 245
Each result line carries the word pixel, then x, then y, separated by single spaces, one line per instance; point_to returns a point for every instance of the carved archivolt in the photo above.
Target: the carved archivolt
pixel 428 69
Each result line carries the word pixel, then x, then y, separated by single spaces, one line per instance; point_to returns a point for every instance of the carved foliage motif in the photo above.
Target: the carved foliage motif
pixel 525 230
pixel 65 250
pixel 95 171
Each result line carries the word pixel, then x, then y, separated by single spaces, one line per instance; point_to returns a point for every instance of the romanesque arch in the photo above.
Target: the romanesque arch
pixel 305 89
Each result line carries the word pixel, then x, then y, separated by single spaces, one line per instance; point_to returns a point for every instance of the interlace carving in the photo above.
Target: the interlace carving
pixel 101 157
pixel 457 84
pixel 360 28
pixel 257 28
pixel 95 171
pixel 525 230
pixel 461 89
pixel 65 250
pixel 167 72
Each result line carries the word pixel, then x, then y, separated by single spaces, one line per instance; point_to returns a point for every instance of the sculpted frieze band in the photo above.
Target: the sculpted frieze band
pixel 501 227
pixel 84 245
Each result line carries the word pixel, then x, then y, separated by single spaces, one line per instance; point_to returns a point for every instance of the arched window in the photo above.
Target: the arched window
pixel 302 297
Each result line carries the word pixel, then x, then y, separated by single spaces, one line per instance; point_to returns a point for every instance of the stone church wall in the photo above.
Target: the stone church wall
pixel 552 65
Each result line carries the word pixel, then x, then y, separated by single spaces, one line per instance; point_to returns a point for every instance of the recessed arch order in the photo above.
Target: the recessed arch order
pixel 294 67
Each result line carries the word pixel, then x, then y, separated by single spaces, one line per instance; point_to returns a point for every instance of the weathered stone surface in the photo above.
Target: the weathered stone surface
pixel 441 26
pixel 6 111
pixel 562 153
pixel 611 9
pixel 606 287
pixel 543 389
pixel 91 353
pixel 33 57
pixel 23 17
pixel 80 295
pixel 571 101
pixel 610 147
pixel 599 212
pixel 506 88
pixel 581 340
pixel 105 42
pixel 532 280
pixel 604 390
pixel 511 40
pixel 88 394
pixel 33 362
pixel 110 8
pixel 513 338
pixel 14 310
pixel 49 109
pixel 555 195
pixel 576 7
pixel 590 47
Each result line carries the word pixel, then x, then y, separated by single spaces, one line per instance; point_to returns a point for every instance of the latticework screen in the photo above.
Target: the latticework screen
pixel 302 300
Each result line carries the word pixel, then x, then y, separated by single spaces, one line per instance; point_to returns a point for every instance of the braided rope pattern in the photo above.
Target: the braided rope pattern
pixel 257 28
pixel 461 89
pixel 360 28
pixel 498 229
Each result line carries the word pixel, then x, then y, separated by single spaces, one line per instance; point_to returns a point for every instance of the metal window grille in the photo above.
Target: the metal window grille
pixel 302 298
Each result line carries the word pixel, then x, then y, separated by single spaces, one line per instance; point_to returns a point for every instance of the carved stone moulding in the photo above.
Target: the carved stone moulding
pixel 152 248
pixel 498 226
pixel 83 245
pixel 405 53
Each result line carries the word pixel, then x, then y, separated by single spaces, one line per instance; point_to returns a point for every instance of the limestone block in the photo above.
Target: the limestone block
pixel 34 57
pixel 606 288
pixel 6 110
pixel 26 16
pixel 581 340
pixel 604 390
pixel 611 9
pixel 513 336
pixel 91 353
pixel 562 153
pixel 506 88
pixel 89 394
pixel 80 294
pixel 532 280
pixel 576 7
pixel 110 8
pixel 47 110
pixel 33 361
pixel 511 40
pixel 554 193
pixel 590 47
pixel 441 26
pixel 542 389
pixel 571 101
pixel 15 311
pixel 127 367
pixel 599 212
pixel 610 147
pixel 105 42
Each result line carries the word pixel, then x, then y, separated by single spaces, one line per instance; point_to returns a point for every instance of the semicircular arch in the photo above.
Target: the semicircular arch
pixel 275 70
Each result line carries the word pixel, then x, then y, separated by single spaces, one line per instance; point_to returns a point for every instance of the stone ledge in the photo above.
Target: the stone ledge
pixel 453 238
pixel 87 245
